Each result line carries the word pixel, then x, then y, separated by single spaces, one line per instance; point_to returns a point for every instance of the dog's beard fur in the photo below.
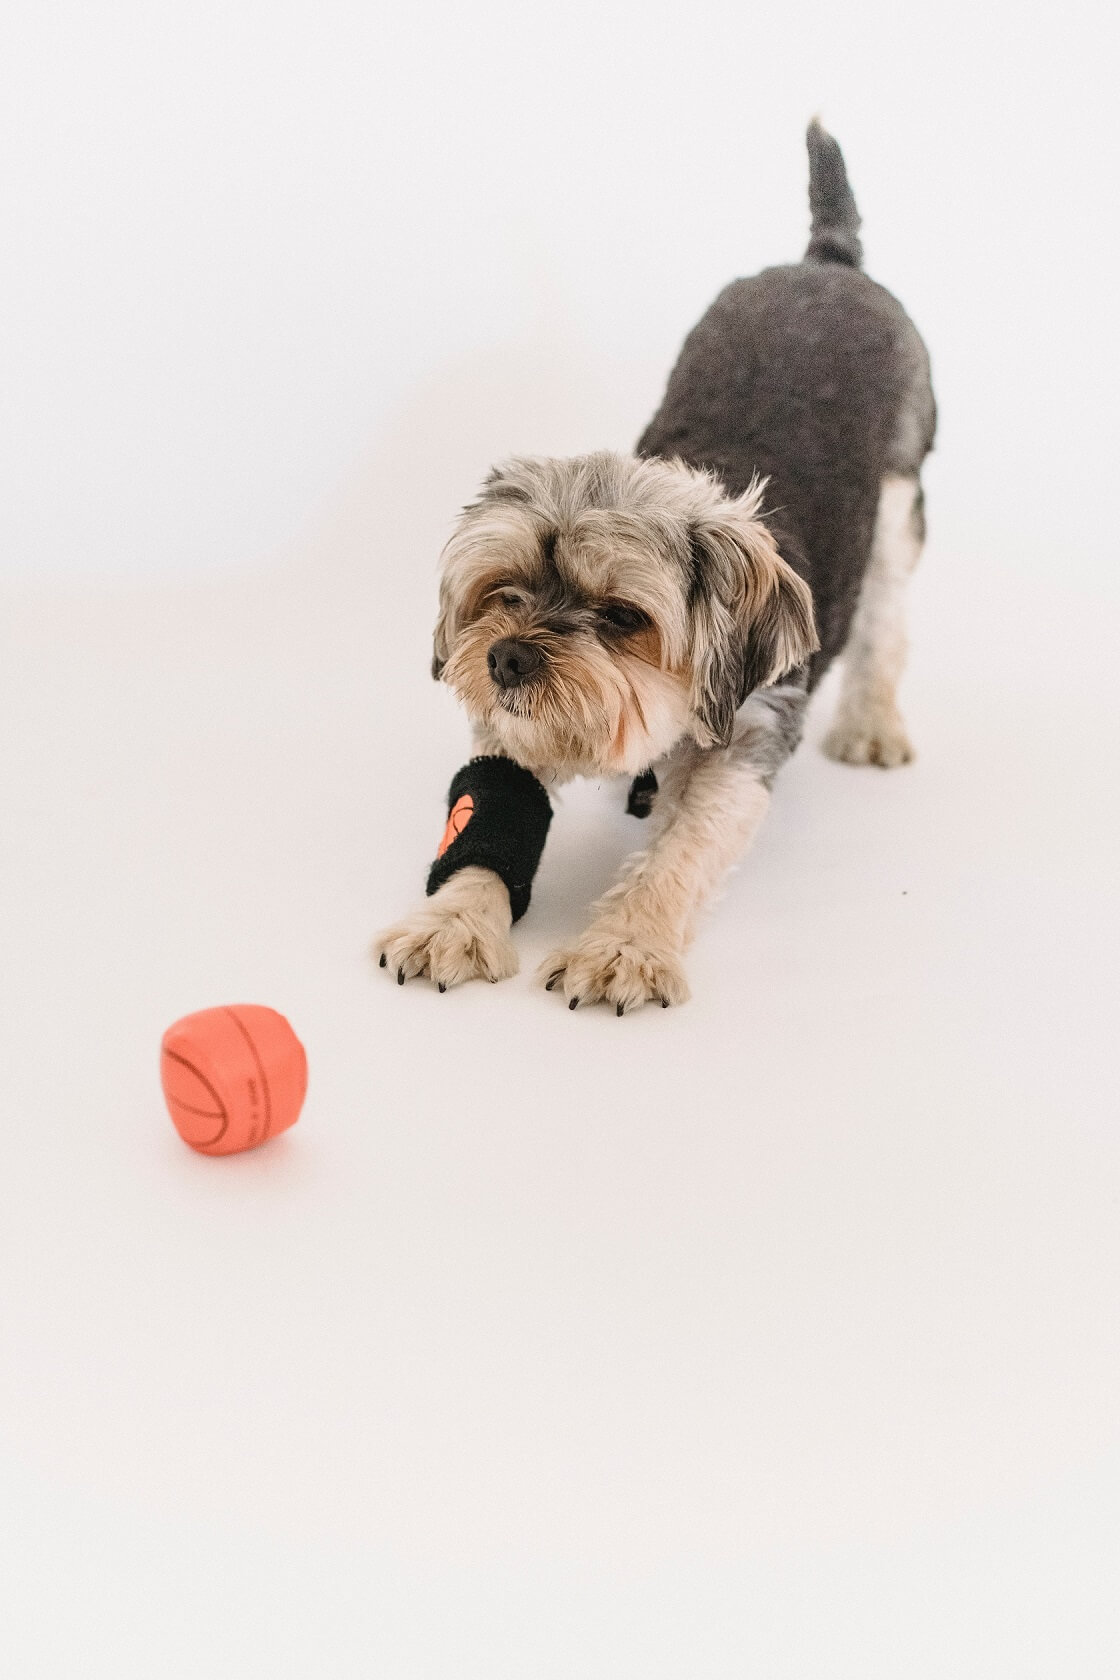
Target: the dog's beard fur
pixel 593 708
pixel 553 548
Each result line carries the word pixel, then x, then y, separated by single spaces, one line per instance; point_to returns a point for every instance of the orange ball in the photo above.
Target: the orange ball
pixel 233 1077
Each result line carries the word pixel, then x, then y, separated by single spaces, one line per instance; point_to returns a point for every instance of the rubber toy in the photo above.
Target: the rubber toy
pixel 233 1077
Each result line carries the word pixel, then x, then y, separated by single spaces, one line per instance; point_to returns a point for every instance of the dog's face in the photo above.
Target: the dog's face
pixel 594 610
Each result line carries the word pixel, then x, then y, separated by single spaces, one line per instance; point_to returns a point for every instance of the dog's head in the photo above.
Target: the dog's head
pixel 594 610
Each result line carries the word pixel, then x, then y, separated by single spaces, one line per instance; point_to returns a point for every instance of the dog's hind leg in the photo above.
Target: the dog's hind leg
pixel 868 728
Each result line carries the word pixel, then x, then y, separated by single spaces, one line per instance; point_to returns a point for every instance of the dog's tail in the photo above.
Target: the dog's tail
pixel 834 235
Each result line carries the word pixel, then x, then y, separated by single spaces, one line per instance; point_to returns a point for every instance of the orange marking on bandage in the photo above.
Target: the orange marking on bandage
pixel 460 815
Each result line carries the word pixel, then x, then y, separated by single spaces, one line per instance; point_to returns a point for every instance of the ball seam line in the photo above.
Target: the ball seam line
pixel 208 1143
pixel 244 1031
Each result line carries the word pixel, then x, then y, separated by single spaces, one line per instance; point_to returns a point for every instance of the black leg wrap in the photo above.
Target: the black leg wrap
pixel 497 818
pixel 643 792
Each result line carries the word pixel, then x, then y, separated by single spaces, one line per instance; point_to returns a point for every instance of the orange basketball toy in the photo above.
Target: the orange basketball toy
pixel 233 1077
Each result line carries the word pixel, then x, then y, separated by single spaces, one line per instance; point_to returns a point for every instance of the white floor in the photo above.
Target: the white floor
pixel 773 1336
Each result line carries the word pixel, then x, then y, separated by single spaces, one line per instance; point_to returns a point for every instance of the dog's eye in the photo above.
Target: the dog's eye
pixel 622 617
pixel 511 598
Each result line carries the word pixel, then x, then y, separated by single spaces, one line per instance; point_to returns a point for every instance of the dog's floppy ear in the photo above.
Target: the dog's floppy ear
pixel 467 543
pixel 439 647
pixel 751 615
pixel 445 631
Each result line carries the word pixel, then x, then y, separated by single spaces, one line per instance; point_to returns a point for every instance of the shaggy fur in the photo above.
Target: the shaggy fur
pixel 553 548
pixel 608 613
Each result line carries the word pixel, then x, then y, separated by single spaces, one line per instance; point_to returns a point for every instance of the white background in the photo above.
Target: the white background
pixel 773 1336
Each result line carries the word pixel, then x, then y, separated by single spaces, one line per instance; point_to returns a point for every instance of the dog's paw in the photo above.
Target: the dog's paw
pixel 461 933
pixel 881 741
pixel 611 965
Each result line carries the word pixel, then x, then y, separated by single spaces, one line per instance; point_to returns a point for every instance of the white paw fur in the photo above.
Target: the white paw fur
pixel 461 933
pixel 882 741
pixel 611 965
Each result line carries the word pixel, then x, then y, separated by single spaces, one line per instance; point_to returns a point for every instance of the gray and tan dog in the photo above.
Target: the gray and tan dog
pixel 676 607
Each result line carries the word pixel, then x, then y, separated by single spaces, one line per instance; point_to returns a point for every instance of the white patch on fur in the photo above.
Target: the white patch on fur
pixel 656 717
pixel 868 728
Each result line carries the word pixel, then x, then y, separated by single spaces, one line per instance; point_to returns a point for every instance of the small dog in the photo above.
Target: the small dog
pixel 673 609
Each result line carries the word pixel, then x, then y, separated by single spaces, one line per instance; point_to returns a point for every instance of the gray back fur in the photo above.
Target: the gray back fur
pixel 813 376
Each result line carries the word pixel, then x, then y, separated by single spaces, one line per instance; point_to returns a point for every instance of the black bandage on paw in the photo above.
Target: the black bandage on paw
pixel 643 792
pixel 497 818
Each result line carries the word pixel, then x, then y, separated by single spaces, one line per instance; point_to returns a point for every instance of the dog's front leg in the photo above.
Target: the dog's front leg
pixel 498 817
pixel 709 810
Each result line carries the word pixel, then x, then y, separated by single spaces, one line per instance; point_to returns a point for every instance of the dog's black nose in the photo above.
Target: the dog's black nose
pixel 512 662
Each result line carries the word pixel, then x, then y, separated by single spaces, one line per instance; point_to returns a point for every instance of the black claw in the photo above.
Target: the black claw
pixel 664 1003
pixel 548 985
pixel 400 976
pixel 384 960
pixel 443 985
pixel 574 1004
pixel 618 1009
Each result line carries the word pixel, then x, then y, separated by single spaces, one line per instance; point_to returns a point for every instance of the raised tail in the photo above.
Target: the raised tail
pixel 834 234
